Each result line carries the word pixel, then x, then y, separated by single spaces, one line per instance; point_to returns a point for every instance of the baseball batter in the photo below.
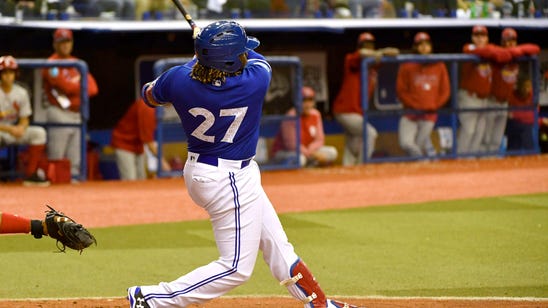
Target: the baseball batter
pixel 218 97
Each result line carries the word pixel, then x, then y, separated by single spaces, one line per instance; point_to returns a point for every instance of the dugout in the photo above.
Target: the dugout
pixel 112 48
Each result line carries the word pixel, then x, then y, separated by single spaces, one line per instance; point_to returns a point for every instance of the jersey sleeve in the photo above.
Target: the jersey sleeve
pixel 489 52
pixel 529 49
pixel 158 91
pixel 256 59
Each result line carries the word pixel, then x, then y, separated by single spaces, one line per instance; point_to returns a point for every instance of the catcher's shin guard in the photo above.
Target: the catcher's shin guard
pixel 303 286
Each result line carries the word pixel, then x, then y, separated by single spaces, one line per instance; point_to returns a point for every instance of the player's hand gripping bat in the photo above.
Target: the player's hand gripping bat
pixel 188 18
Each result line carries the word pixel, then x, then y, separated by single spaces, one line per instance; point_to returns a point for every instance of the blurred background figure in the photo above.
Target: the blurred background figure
pixel 521 122
pixel 15 128
pixel 347 107
pixel 149 9
pixel 435 8
pixel 133 132
pixel 313 151
pixel 366 8
pixel 119 9
pixel 475 88
pixel 421 87
pixel 62 90
pixel 504 80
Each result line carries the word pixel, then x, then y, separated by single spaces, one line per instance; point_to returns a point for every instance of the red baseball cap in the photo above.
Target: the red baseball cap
pixel 366 37
pixel 8 63
pixel 421 36
pixel 479 29
pixel 61 35
pixel 509 34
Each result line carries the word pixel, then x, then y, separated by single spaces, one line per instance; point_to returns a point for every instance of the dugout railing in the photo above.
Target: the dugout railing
pixel 448 115
pixel 171 130
pixel 82 67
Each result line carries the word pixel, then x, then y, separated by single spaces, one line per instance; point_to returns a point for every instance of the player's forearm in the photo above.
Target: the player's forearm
pixel 5 128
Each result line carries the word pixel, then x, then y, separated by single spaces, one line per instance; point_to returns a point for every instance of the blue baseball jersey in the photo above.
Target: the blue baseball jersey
pixel 220 119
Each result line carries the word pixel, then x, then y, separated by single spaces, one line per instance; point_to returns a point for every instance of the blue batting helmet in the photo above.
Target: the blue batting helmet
pixel 220 44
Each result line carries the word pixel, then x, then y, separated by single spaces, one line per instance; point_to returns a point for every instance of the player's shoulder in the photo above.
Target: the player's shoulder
pixel 259 63
pixel 20 89
pixel 316 113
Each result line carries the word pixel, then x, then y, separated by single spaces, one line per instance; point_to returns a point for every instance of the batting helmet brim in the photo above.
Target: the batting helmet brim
pixel 252 43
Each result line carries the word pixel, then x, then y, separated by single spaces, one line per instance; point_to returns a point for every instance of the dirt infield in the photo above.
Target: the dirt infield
pixel 291 191
pixel 261 302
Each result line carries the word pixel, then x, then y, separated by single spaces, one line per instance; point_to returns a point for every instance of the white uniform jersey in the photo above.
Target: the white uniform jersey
pixel 14 105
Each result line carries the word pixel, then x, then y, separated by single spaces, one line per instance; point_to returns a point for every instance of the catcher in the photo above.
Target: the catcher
pixel 56 225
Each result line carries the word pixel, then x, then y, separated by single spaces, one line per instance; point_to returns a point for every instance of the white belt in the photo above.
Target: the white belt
pixel 218 162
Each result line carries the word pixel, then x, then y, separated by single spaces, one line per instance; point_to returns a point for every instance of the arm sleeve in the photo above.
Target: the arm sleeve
pixel 402 87
pixel 489 52
pixel 154 93
pixel 445 86
pixel 352 61
pixel 93 89
pixel 529 49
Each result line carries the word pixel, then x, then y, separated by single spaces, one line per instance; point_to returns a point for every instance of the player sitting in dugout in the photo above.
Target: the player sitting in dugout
pixel 313 151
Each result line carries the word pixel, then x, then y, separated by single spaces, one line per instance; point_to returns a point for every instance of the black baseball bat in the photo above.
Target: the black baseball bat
pixel 186 15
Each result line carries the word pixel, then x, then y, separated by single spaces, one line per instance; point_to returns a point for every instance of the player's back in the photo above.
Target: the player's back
pixel 220 119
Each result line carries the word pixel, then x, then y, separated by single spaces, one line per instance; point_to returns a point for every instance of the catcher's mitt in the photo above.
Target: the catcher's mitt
pixel 67 232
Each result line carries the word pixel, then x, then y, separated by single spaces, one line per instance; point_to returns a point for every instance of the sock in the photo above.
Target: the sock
pixel 10 223
pixel 35 153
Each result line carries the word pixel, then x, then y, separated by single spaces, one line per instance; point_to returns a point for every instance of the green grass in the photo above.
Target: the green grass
pixel 481 247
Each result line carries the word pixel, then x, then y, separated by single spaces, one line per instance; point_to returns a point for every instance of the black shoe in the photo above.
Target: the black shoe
pixel 136 298
pixel 38 178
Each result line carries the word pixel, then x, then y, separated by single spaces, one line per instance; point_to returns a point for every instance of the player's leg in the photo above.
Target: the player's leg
pixel 468 122
pixel 498 128
pixel 489 125
pixel 140 166
pixel 10 223
pixel 480 128
pixel 408 135
pixel 125 161
pixel 73 151
pixel 231 200
pixel 372 135
pixel 353 129
pixel 325 155
pixel 423 139
pixel 285 264
pixel 35 137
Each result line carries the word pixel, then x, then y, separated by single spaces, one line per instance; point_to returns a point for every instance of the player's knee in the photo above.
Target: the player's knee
pixel 242 275
pixel 38 135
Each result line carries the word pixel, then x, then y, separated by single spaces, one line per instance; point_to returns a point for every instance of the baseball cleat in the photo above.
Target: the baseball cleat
pixel 136 298
pixel 336 304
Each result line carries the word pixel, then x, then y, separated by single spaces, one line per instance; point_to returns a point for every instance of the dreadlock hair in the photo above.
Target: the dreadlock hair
pixel 209 75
